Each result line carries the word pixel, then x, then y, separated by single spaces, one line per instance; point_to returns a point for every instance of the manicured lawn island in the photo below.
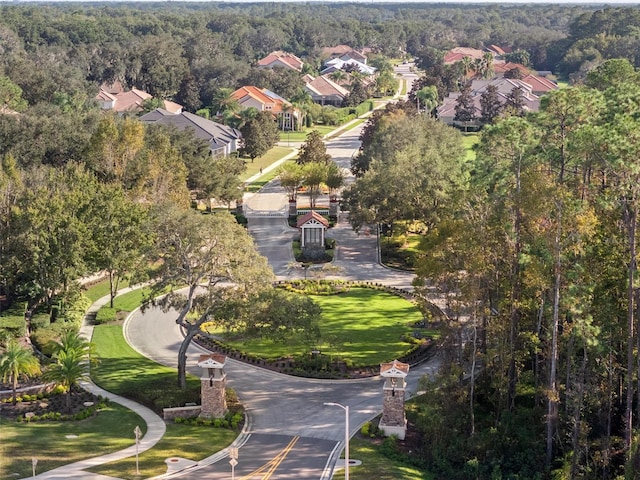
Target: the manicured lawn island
pixel 360 327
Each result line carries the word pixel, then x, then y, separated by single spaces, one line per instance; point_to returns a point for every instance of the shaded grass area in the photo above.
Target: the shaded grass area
pixel 377 465
pixel 364 326
pixel 124 371
pixel 272 156
pixel 191 442
pixel 400 250
pixel 110 430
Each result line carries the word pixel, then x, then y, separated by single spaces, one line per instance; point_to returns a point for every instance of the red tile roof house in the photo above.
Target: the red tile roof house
pixel 446 112
pixel 281 59
pixel 223 140
pixel 113 97
pixel 266 101
pixel 325 91
pixel 539 85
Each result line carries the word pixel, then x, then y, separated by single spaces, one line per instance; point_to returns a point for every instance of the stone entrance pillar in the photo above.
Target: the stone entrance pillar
pixel 213 383
pixel 333 207
pixel 293 208
pixel 394 421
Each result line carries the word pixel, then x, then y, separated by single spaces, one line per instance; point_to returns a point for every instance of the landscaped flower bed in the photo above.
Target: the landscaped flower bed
pixel 52 406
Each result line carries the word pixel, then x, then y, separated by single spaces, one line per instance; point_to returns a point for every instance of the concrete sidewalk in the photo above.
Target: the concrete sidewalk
pixel 156 427
pixel 155 431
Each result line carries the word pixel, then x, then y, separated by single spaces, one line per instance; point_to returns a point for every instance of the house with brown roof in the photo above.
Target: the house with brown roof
pixel 325 91
pixel 265 100
pixel 114 97
pixel 281 59
pixel 222 140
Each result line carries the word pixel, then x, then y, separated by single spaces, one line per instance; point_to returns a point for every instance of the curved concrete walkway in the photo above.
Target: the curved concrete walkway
pixel 155 426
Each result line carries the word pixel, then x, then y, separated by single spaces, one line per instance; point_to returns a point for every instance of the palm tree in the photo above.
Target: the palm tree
pixel 73 355
pixel 467 65
pixel 15 362
pixel 223 101
pixel 70 367
pixel 338 76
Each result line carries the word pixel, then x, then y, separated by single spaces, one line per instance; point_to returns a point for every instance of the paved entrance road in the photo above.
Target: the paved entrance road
pixel 284 408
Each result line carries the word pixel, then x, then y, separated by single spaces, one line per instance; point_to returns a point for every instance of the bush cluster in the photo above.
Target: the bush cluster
pixel 25 398
pixel 67 312
pixel 230 420
pixel 105 315
pixel 315 287
pixel 61 417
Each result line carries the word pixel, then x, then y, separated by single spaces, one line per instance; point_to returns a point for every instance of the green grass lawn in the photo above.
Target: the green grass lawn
pixel 351 126
pixel 101 289
pixel 127 302
pixel 403 90
pixel 376 465
pixel 191 442
pixel 469 140
pixel 362 325
pixel 109 431
pixel 302 136
pixel 124 371
pixel 263 180
pixel 272 156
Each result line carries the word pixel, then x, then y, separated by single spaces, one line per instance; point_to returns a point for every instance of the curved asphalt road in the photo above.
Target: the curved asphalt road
pixel 288 420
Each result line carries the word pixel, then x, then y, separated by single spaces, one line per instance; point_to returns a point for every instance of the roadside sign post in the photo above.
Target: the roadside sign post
pixel 137 432
pixel 34 462
pixel 233 453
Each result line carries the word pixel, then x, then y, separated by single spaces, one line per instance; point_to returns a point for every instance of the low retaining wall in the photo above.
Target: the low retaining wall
pixel 181 412
pixel 32 390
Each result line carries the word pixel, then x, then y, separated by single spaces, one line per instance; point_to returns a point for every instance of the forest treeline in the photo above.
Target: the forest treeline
pixel 533 242
pixel 186 52
pixel 533 246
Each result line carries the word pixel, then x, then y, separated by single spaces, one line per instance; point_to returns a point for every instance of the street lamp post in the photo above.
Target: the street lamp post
pixel 346 436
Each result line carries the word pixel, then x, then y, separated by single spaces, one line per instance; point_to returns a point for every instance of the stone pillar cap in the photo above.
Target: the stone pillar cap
pixel 213 360
pixel 394 369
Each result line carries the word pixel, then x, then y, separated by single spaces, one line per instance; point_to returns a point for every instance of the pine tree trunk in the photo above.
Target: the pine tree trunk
pixel 630 223
pixel 552 406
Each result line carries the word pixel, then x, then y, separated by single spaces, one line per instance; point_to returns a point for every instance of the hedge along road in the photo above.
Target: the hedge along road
pixel 281 407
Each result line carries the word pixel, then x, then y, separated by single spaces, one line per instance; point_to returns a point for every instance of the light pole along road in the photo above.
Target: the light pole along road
pixel 291 434
pixel 346 436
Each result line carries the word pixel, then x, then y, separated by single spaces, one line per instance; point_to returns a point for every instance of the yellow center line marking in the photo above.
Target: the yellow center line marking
pixel 274 463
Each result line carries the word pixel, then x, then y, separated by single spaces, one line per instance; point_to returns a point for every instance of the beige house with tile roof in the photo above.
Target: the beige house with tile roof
pixel 325 91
